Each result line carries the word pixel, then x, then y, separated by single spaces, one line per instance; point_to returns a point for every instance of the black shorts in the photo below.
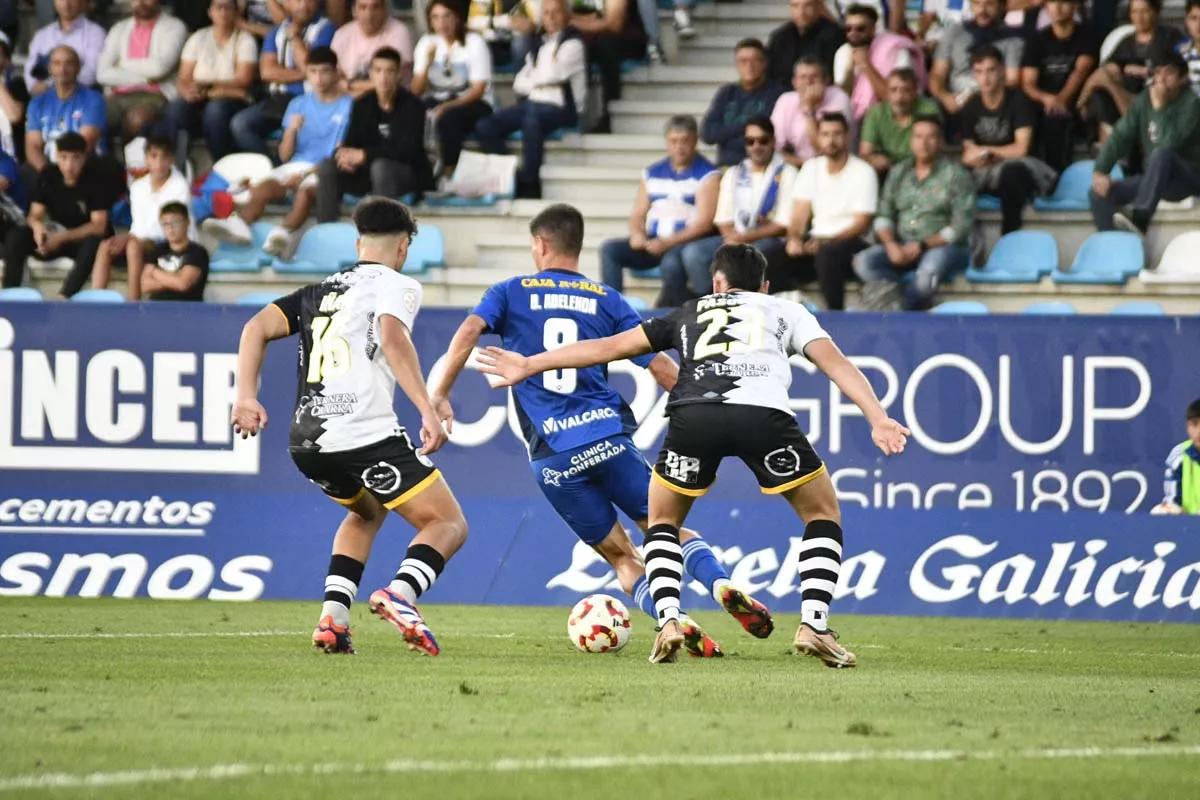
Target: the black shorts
pixel 390 469
pixel 767 440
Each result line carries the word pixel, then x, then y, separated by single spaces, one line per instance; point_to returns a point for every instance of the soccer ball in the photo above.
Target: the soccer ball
pixel 599 623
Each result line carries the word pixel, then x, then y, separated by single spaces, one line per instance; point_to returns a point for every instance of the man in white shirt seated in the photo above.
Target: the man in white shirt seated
pixel 755 194
pixel 833 205
pixel 554 88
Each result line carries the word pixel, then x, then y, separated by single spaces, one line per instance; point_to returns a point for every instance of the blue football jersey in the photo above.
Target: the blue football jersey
pixel 562 409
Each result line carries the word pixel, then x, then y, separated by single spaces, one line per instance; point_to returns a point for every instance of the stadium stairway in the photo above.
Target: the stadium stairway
pixel 599 174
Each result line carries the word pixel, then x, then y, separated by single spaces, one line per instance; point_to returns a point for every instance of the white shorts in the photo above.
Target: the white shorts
pixel 284 172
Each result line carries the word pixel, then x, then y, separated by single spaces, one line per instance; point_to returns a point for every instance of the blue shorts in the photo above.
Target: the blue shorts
pixel 585 484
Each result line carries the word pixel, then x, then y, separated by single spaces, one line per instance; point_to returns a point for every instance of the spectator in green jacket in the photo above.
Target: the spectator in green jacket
pixel 1165 120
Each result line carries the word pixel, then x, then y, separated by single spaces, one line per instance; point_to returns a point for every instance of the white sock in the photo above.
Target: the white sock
pixel 816 614
pixel 718 587
pixel 340 614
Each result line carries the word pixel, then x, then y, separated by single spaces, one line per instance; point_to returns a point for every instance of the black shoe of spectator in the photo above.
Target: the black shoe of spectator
pixel 1132 220
pixel 602 125
pixel 529 191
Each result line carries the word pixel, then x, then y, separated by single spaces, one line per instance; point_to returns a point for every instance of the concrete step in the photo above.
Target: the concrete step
pixel 570 184
pixel 612 151
pixel 647 119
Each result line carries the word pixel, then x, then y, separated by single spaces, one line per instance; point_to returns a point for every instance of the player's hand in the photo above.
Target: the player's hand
pixel 248 418
pixel 443 411
pixel 511 368
pixel 433 435
pixel 890 436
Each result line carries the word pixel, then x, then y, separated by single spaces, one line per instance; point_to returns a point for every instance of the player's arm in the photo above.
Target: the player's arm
pixel 402 357
pixel 888 435
pixel 269 324
pixel 512 368
pixel 465 340
pixel 665 371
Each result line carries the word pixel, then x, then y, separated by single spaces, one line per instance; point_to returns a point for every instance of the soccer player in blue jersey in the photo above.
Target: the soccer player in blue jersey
pixel 577 426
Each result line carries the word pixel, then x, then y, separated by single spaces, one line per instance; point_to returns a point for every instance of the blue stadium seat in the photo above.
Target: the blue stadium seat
pixel 258 298
pixel 454 201
pixel 1071 193
pixel 20 294
pixel 325 248
pixel 428 249
pixel 1050 308
pixel 961 307
pixel 1108 257
pixel 555 135
pixel 409 199
pixel 987 202
pixel 1134 308
pixel 249 258
pixel 1019 257
pixel 637 303
pixel 99 296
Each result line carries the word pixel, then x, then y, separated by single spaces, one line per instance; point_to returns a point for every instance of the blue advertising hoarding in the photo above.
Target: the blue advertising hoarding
pixel 1037 451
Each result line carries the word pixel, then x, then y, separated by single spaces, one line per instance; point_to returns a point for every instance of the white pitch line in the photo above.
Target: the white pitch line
pixel 62 780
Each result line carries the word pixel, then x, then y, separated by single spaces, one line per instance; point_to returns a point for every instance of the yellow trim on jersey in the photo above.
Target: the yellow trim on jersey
pixel 358 496
pixel 793 484
pixel 286 319
pixel 679 489
pixel 414 491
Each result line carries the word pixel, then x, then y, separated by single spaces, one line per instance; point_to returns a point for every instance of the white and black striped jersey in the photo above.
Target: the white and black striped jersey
pixel 344 397
pixel 734 348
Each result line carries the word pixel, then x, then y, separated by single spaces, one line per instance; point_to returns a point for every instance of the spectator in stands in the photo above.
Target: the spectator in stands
pixel 735 104
pixel 887 128
pixel 510 27
pixel 1182 484
pixel 216 75
pixel 675 204
pixel 614 33
pixel 177 267
pixel 798 112
pixel 863 64
pixel 808 34
pixel 161 184
pixel 648 10
pixel 13 99
pixel 452 71
pixel 834 202
pixel 72 28
pixel 938 16
pixel 923 224
pixel 997 129
pixel 259 16
pixel 554 92
pixel 383 152
pixel 282 67
pixel 313 127
pixel 952 81
pixel 356 44
pixel 138 64
pixel 66 108
pixel 753 197
pixel 1056 63
pixel 1165 121
pixel 68 214
pixel 1189 48
pixel 14 201
pixel 1109 92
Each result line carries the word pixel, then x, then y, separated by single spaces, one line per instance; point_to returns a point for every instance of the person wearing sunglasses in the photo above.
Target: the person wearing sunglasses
pixel 862 65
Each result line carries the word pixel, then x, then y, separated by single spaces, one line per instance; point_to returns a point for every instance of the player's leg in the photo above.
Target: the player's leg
pixel 664 563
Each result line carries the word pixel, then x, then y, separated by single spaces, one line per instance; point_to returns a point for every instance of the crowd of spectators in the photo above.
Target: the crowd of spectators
pixel 850 146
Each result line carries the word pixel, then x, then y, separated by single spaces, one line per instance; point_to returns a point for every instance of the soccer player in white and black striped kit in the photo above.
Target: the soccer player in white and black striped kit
pixel 355 347
pixel 732 400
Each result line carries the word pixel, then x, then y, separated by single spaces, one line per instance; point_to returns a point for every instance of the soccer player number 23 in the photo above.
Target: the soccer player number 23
pixel 746 333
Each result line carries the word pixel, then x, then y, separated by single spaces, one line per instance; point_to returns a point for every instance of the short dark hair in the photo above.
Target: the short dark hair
pixel 928 119
pixel 761 121
pixel 1155 5
pixel 1169 57
pixel 750 43
pixel 982 52
pixel 1193 4
pixel 743 265
pixel 562 226
pixel 858 10
pixel 388 54
pixel 811 61
pixel 834 116
pixel 160 143
pixel 71 142
pixel 175 207
pixel 1193 411
pixel 909 75
pixel 320 56
pixel 383 216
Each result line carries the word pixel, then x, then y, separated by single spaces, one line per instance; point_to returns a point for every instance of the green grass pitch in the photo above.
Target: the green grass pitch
pixel 937 709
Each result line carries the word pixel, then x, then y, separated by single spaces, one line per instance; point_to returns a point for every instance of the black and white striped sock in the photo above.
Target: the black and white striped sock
pixel 820 564
pixel 341 585
pixel 419 569
pixel 664 569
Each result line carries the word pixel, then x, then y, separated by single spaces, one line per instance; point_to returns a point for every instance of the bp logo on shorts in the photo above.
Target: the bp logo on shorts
pixel 382 478
pixel 684 469
pixel 782 463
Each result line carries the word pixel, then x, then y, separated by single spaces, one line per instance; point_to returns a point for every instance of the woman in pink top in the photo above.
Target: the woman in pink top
pixel 796 113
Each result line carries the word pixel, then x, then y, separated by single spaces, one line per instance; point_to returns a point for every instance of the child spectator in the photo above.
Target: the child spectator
pixel 177 267
pixel 1182 484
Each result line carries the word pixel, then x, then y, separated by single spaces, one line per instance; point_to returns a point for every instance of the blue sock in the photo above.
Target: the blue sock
pixel 701 564
pixel 641 596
